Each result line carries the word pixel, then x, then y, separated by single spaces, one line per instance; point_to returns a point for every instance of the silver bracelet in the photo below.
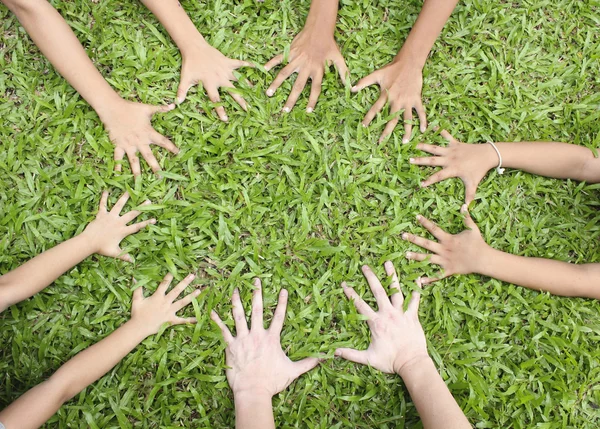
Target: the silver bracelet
pixel 499 169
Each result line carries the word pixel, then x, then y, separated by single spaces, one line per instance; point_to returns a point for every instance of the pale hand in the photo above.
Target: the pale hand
pixel 254 357
pixel 153 312
pixel 106 232
pixel 397 338
pixel 455 254
pixel 401 83
pixel 469 162
pixel 206 65
pixel 310 53
pixel 129 127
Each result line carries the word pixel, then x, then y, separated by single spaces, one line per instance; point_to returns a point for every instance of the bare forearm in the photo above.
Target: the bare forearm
pixel 431 396
pixel 556 277
pixel 58 43
pixel 426 30
pixel 36 274
pixel 253 411
pixel 323 15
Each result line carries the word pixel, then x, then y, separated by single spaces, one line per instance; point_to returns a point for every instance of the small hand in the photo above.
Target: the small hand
pixel 310 53
pixel 455 254
pixel 401 83
pixel 256 363
pixel 397 338
pixel 469 162
pixel 130 129
pixel 214 70
pixel 160 308
pixel 108 229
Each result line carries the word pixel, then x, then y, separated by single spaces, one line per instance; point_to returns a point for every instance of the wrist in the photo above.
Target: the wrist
pixel 322 17
pixel 194 46
pixel 413 363
pixel 409 57
pixel 139 331
pixel 86 243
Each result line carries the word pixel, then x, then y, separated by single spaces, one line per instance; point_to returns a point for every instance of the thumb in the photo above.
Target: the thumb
pixel 469 223
pixel 182 90
pixel 358 356
pixel 138 294
pixel 365 81
pixel 160 109
pixel 470 190
pixel 305 365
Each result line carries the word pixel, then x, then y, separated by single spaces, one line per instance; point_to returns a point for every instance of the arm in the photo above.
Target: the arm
pixel 471 162
pixel 312 50
pixel 467 253
pixel 101 236
pixel 201 62
pixel 257 367
pixel 398 345
pixel 128 123
pixel 401 81
pixel 37 405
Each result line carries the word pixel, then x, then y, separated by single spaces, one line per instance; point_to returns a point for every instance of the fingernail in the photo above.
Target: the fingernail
pixel 408 254
pixel 147 202
pixel 197 292
pixel 236 290
pixel 286 109
pixel 152 221
pixel 171 106
pixel 404 236
pixel 225 118
pixel 337 353
pixel 404 140
pixel 283 292
pixel 354 88
pixel 422 184
pixel 464 208
pixel 191 276
pixel 364 125
pixel 419 217
pixel 389 267
pixel 269 92
pixel 193 320
pixel 309 110
pixel 179 100
pixel 411 160
pixel 423 129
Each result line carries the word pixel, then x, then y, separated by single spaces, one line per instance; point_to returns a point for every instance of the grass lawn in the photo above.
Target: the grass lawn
pixel 302 201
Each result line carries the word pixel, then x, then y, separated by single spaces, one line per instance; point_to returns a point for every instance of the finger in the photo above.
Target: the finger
pixel 432 161
pixel 126 257
pixel 184 86
pixel 432 227
pixel 160 140
pixel 224 329
pixel 184 321
pixel 129 216
pixel 315 91
pixel 397 298
pixel 432 149
pixel 176 291
pixel 279 316
pixel 358 356
pixel 138 293
pixel 257 306
pixel 241 326
pixel 420 257
pixel 361 306
pixel 281 76
pixel 422 116
pixel 239 100
pixel 132 229
pixel 437 177
pixel 447 136
pixel 342 69
pixel 304 365
pixel 103 202
pixel 120 203
pixel 389 128
pixel 213 95
pixel 469 222
pixel 426 244
pixel 379 292
pixel 150 159
pixel 374 110
pixel 134 161
pixel 164 285
pixel 366 81
pixel 429 280
pixel 241 63
pixel 407 125
pixel 186 300
pixel 275 61
pixel 297 88
pixel 160 109
pixel 118 156
pixel 470 191
pixel 413 305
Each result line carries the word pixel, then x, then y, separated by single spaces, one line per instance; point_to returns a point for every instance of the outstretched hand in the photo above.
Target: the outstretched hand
pixel 256 363
pixel 455 254
pixel 106 232
pixel 469 162
pixel 397 338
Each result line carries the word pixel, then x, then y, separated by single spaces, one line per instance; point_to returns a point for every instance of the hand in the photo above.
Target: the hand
pixel 214 70
pixel 455 254
pixel 130 129
pixel 109 229
pixel 469 162
pixel 401 83
pixel 397 338
pixel 256 363
pixel 310 53
pixel 153 312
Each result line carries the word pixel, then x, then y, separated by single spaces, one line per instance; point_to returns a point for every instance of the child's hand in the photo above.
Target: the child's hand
pixel 310 53
pixel 106 232
pixel 160 308
pixel 256 363
pixel 401 83
pixel 455 254
pixel 208 66
pixel 469 162
pixel 397 338
pixel 130 129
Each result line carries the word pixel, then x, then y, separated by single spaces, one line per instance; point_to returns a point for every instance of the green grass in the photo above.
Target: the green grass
pixel 302 201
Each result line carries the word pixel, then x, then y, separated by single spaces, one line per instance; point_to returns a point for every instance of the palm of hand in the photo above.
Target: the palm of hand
pixel 402 84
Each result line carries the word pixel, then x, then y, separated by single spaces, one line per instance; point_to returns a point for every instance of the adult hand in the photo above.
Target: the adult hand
pixel 469 162
pixel 455 254
pixel 106 232
pixel 401 83
pixel 256 363
pixel 208 66
pixel 130 129
pixel 397 338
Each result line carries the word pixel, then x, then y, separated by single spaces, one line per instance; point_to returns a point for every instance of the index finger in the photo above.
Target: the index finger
pixel 224 329
pixel 432 227
pixel 257 306
pixel 397 298
pixel 379 292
